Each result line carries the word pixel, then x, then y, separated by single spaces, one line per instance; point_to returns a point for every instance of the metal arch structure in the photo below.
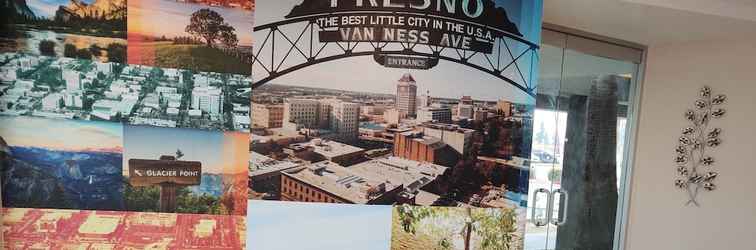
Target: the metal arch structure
pixel 312 52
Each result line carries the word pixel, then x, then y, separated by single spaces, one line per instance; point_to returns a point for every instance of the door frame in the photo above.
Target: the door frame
pixel 624 191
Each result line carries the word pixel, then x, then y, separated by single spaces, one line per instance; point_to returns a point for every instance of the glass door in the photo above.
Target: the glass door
pixel 585 99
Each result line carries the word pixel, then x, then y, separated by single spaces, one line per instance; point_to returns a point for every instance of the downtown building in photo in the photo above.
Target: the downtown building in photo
pixel 337 118
pixel 406 95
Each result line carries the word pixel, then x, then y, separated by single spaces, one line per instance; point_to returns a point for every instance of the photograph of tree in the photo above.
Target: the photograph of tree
pixel 206 36
pixel 86 29
pixel 223 158
pixel 467 228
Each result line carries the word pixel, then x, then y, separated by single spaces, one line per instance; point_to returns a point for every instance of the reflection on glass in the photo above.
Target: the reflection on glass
pixel 579 135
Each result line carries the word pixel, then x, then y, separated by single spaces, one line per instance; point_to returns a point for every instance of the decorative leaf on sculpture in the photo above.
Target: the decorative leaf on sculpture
pixel 713 142
pixel 681 184
pixel 701 104
pixel 707 161
pixel 681 160
pixel 705 91
pixel 719 100
pixel 710 176
pixel 690 115
pixel 684 140
pixel 688 131
pixel 709 186
pixel 681 150
pixel 715 133
pixel 718 113
pixel 682 170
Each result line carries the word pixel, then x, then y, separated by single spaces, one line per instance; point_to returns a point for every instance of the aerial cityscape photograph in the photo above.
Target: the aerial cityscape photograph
pixel 313 144
pixel 139 95
pixel 25 228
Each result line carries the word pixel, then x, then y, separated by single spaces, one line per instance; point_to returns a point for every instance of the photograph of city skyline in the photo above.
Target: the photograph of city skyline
pixel 213 36
pixel 353 131
pixel 325 145
pixel 132 94
pixel 85 29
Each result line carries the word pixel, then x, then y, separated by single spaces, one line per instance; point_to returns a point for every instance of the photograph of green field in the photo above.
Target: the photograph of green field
pixel 455 228
pixel 215 37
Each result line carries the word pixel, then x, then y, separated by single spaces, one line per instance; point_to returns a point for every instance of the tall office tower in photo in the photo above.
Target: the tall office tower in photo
pixel 406 95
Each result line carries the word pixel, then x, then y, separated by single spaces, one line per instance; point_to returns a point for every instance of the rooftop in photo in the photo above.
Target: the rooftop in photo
pixel 372 126
pixel 330 149
pixel 407 78
pixel 337 180
pixel 100 224
pixel 261 164
pixel 355 183
pixel 448 127
pixel 397 171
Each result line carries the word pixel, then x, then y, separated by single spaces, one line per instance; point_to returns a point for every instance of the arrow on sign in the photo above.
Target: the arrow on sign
pixel 138 172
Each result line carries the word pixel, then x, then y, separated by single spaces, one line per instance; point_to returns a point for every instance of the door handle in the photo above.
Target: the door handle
pixel 537 222
pixel 563 200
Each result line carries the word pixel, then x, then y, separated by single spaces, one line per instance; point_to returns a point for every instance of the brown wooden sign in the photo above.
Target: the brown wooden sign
pixel 156 172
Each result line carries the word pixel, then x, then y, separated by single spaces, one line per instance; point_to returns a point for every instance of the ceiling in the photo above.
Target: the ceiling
pixel 656 22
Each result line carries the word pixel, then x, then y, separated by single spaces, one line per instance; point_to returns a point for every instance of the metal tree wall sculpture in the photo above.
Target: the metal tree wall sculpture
pixel 694 165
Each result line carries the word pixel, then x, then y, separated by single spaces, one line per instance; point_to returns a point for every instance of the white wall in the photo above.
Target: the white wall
pixel 658 218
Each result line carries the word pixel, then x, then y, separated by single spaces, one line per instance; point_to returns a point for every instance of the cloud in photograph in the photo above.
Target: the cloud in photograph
pixel 306 226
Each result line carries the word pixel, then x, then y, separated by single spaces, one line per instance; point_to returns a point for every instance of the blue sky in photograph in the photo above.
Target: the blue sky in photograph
pixel 274 225
pixel 145 142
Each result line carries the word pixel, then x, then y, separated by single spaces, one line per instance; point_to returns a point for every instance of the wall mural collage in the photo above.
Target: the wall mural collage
pixel 281 124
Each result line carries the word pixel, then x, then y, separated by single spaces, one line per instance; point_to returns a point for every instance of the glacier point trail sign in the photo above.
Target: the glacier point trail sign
pixel 167 173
